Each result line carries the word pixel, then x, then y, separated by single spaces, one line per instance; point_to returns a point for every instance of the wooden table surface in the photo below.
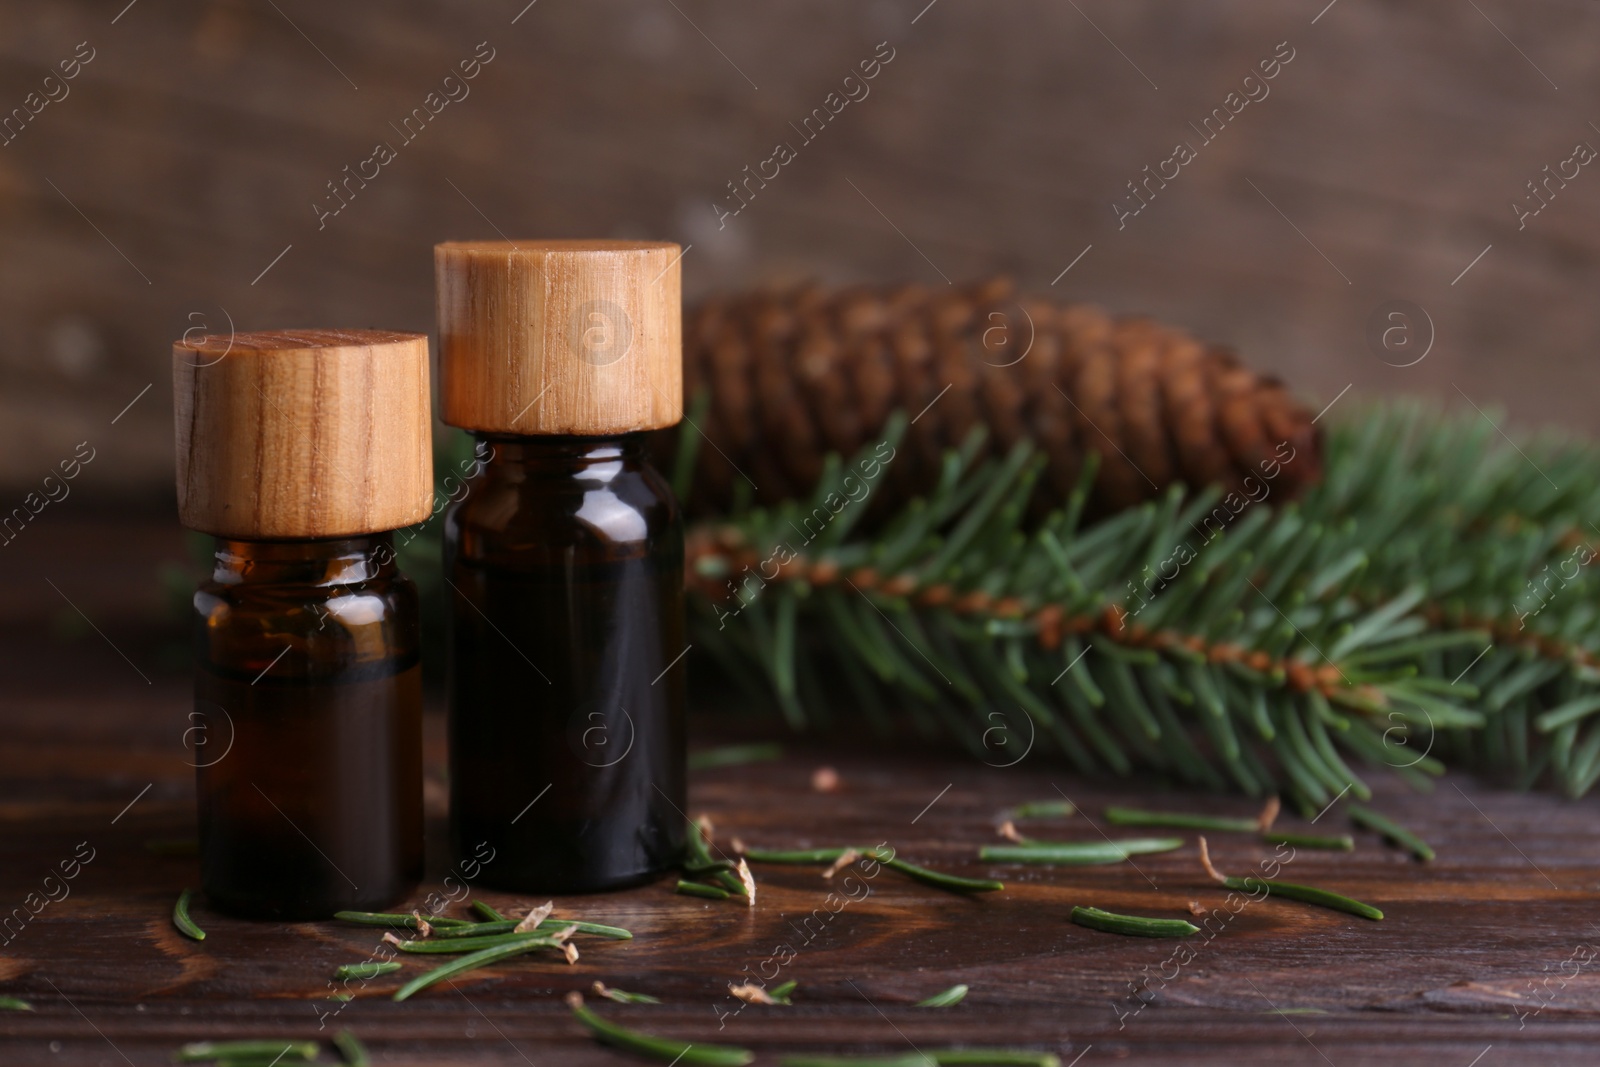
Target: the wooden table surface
pixel 1487 956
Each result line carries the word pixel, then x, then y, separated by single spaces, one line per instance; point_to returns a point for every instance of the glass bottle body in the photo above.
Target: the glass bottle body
pixel 307 729
pixel 567 741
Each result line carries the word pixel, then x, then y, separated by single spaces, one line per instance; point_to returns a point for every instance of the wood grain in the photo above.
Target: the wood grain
pixel 560 337
pixel 1475 951
pixel 204 132
pixel 303 433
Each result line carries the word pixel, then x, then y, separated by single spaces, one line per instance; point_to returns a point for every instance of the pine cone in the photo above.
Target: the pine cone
pixel 798 374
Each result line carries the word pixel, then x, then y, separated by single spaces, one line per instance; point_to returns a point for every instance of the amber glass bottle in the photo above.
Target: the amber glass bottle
pixel 565 559
pixel 298 449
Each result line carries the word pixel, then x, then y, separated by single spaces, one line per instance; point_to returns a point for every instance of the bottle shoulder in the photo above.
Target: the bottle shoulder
pixel 624 510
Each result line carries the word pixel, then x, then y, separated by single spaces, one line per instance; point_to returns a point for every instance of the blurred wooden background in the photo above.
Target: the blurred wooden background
pixel 160 189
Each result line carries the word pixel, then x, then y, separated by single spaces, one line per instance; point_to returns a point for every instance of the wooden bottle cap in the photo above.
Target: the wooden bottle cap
pixel 303 433
pixel 560 337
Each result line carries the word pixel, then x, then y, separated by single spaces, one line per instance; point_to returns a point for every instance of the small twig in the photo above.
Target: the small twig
pixel 534 917
pixel 846 858
pixel 1269 813
pixel 1205 861
pixel 748 880
pixel 751 994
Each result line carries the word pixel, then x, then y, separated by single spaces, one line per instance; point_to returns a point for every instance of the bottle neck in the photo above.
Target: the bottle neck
pixel 561 456
pixel 322 562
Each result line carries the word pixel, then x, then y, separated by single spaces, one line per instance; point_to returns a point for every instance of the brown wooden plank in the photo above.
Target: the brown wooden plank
pixel 1477 948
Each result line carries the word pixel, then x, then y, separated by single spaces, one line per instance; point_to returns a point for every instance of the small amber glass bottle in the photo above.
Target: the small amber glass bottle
pixel 300 450
pixel 565 560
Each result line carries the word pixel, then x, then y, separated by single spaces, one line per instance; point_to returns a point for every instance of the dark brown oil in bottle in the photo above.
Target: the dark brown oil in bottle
pixel 567 681
pixel 306 732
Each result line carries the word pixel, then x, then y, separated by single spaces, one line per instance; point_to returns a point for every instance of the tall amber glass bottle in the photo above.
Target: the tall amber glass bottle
pixel 565 561
pixel 300 450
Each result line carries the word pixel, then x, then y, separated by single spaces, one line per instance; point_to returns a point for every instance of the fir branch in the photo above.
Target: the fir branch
pixel 1364 625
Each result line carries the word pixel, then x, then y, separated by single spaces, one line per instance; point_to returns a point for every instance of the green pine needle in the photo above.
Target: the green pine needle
pixel 351 1049
pixel 181 919
pixel 1077 853
pixel 285 1051
pixel 947 999
pixel 734 756
pixel 1391 831
pixel 1041 809
pixel 366 970
pixel 1132 925
pixel 700 1054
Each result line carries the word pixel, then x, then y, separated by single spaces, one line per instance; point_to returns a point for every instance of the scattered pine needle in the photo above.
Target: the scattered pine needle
pixel 181 919
pixel 1042 809
pixel 351 1049
pixel 622 996
pixel 734 756
pixel 949 998
pixel 698 1054
pixel 1305 894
